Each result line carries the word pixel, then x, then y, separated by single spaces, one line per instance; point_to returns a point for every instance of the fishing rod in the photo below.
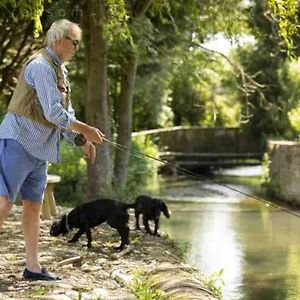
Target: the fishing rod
pixel 197 176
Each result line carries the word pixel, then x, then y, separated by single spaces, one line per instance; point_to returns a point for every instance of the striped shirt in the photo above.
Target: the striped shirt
pixel 39 140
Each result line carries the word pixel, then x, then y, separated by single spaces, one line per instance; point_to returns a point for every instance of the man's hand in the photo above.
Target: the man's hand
pixel 93 134
pixel 89 150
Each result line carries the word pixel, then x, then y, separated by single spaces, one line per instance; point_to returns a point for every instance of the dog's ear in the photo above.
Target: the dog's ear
pixel 165 210
pixel 55 229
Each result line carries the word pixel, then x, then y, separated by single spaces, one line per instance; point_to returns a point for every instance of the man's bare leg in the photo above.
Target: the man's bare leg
pixel 5 207
pixel 31 231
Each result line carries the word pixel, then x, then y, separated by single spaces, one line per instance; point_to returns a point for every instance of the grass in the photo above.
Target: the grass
pixel 214 283
pixel 143 289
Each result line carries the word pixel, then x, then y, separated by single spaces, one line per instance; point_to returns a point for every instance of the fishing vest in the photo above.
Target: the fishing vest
pixel 25 102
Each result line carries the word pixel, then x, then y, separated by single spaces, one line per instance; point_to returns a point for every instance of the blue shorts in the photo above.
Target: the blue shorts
pixel 21 172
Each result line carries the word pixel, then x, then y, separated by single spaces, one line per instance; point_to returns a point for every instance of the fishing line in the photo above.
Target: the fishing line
pixel 197 176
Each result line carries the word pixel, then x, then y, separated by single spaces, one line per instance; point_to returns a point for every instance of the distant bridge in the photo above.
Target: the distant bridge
pixel 198 147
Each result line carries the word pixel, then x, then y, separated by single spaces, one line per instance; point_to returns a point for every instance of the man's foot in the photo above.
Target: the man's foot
pixel 44 275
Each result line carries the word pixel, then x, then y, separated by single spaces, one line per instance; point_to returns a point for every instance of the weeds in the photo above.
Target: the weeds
pixel 214 283
pixel 143 289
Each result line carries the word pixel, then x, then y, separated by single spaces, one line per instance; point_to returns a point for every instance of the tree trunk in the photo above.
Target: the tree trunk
pixel 99 173
pixel 124 106
pixel 124 121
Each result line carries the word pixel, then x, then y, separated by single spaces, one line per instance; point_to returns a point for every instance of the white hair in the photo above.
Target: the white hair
pixel 61 29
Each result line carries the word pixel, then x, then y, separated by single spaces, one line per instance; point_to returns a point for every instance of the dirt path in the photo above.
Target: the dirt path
pixel 99 273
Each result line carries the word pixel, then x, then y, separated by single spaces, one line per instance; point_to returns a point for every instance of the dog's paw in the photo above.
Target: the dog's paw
pixel 118 248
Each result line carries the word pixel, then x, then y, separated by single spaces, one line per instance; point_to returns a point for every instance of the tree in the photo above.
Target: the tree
pixel 128 68
pixel 20 28
pixel 266 108
pixel 96 108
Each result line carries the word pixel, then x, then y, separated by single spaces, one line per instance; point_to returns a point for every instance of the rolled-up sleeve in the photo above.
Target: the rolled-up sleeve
pixel 69 136
pixel 41 76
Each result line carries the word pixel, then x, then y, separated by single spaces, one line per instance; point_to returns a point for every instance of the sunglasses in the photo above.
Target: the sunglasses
pixel 74 42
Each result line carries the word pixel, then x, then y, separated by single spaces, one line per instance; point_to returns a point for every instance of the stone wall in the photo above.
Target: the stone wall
pixel 284 170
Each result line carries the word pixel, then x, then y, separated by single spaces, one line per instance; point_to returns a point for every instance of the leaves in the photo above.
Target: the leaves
pixel 285 14
pixel 24 10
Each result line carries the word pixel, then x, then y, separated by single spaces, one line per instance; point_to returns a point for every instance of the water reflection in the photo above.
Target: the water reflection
pixel 257 246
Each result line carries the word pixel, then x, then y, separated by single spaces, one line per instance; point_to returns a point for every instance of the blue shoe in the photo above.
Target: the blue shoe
pixel 44 275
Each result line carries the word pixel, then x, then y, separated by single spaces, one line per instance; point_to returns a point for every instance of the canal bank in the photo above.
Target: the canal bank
pixel 283 161
pixel 151 268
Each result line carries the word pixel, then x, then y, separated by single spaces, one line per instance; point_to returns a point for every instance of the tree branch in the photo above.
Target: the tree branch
pixel 141 7
pixel 249 84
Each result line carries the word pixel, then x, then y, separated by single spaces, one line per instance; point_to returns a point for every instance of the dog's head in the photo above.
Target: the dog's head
pixel 163 208
pixel 59 227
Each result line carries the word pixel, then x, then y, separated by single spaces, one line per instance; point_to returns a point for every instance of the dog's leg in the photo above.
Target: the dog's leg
pixel 137 220
pixel 146 224
pixel 156 226
pixel 124 234
pixel 89 237
pixel 76 236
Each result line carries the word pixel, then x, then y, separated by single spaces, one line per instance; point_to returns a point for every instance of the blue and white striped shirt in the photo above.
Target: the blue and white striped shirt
pixel 39 140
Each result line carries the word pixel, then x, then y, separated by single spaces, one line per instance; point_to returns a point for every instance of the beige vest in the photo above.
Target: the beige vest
pixel 25 102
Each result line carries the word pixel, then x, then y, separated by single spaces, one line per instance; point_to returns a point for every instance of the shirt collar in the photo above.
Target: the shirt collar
pixel 53 55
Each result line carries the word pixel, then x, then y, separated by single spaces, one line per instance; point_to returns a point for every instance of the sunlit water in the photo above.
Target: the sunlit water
pixel 257 246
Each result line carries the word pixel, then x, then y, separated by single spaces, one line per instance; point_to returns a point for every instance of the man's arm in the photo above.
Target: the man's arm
pixel 41 76
pixel 92 134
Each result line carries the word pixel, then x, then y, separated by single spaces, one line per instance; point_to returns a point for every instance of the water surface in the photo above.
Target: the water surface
pixel 256 245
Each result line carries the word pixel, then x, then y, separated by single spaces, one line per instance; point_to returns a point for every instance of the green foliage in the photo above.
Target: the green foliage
pixel 24 10
pixel 142 287
pixel 116 25
pixel 72 169
pixel 291 86
pixel 294 117
pixel 142 171
pixel 202 92
pixel 265 107
pixel 270 187
pixel 285 14
pixel 151 106
pixel 39 291
pixel 214 283
pixel 181 248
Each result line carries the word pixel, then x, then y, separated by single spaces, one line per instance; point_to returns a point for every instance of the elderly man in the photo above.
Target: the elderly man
pixel 39 112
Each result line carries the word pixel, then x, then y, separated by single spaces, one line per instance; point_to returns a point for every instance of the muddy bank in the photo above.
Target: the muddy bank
pixel 100 272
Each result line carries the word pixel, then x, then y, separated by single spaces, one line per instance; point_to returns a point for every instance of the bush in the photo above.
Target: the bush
pixel 72 169
pixel 142 171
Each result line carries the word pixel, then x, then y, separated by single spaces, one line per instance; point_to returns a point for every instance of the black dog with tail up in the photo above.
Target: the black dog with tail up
pixel 92 214
pixel 151 209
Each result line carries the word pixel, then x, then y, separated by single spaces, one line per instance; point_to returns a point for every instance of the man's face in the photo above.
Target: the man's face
pixel 70 44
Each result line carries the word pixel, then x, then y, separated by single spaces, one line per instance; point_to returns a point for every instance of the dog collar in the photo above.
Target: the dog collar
pixel 67 223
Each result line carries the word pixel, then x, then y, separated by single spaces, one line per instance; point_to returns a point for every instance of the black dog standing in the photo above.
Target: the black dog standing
pixel 92 214
pixel 151 209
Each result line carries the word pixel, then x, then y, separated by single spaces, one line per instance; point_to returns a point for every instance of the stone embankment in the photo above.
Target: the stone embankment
pixel 284 170
pixel 100 272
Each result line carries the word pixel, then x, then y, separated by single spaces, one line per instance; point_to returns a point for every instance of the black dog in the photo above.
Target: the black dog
pixel 91 214
pixel 151 209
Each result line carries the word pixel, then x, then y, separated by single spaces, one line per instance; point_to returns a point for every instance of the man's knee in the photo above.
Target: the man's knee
pixel 31 207
pixel 5 204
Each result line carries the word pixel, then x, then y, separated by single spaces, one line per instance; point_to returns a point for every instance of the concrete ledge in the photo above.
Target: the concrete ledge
pixel 284 170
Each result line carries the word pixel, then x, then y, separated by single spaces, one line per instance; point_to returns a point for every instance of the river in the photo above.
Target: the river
pixel 256 246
